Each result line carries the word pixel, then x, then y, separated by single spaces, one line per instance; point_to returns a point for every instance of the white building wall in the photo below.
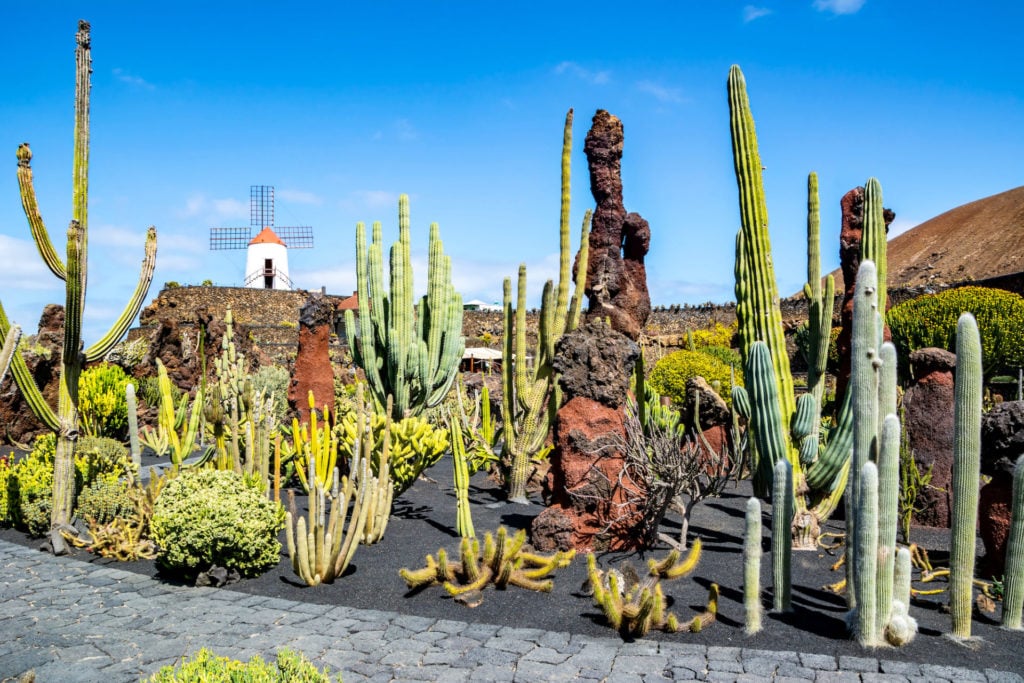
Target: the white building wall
pixel 266 266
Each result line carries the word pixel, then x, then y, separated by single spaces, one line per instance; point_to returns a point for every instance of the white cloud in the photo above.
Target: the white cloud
pixel 367 200
pixel 135 81
pixel 199 206
pixel 660 92
pixel 753 12
pixel 839 6
pixel 24 267
pixel 300 197
pixel 574 69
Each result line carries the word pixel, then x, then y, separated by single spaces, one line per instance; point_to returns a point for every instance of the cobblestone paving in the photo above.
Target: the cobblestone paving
pixel 71 621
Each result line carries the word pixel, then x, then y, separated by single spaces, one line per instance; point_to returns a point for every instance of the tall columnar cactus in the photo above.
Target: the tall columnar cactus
pixel 531 395
pixel 411 352
pixel 819 470
pixel 888 503
pixel 752 567
pixel 1013 598
pixel 72 271
pixel 464 514
pixel 966 472
pixel 782 549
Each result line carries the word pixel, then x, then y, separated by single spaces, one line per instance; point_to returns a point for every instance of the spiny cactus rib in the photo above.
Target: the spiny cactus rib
pixel 133 425
pixel 874 236
pixel 9 349
pixel 752 567
pixel 35 219
pixel 766 418
pixel 1013 598
pixel 967 393
pixel 26 382
pixel 888 502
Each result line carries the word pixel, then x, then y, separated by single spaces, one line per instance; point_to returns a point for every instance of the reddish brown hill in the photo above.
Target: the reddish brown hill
pixel 978 241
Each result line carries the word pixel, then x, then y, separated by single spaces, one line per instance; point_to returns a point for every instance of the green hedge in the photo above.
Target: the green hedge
pixel 671 373
pixel 930 321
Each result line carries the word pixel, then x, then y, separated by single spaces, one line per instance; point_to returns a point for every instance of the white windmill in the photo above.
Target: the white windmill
pixel 266 259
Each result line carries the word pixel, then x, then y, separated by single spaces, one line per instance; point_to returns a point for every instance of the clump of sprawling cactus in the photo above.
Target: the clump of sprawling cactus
pixel 503 562
pixel 967 395
pixel 530 393
pixel 171 420
pixel 634 606
pixel 72 271
pixel 408 351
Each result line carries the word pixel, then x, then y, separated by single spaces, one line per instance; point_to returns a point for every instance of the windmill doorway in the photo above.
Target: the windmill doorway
pixel 268 273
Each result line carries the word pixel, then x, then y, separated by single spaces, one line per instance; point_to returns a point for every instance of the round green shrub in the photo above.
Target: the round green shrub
pixel 206 667
pixel 210 517
pixel 671 373
pixel 930 321
pixel 102 406
pixel 30 488
pixel 104 500
pixel 97 456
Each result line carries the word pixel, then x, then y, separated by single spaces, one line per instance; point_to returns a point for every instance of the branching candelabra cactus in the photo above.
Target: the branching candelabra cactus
pixel 407 351
pixel 531 395
pixel 72 271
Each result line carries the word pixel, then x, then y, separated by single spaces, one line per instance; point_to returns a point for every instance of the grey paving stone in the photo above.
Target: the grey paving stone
pixel 760 665
pixel 902 668
pixel 530 671
pixel 859 664
pixel 638 664
pixel 819 662
pixel 725 666
pixel 728 653
pixel 882 678
pixel 995 676
pixel 683 674
pixel 545 655
pixel 68 672
pixel 953 673
pixel 837 677
pixel 794 672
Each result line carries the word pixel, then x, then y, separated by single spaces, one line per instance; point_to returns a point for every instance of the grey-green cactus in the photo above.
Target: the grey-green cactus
pixel 72 271
pixel 888 502
pixel 1013 597
pixel 967 393
pixel 531 395
pixel 901 627
pixel 408 351
pixel 782 549
pixel 133 425
pixel 867 557
pixel 9 350
pixel 752 553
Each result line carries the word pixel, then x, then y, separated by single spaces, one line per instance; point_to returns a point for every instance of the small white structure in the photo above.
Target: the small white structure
pixel 266 262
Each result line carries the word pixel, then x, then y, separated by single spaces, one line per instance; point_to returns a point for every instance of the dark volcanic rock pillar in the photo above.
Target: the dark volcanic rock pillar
pixel 850 233
pixel 593 504
pixel 313 370
pixel 616 277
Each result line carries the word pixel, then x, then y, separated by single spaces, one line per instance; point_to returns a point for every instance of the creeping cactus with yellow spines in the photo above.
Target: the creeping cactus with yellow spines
pixel 502 562
pixel 530 394
pixel 635 606
pixel 64 422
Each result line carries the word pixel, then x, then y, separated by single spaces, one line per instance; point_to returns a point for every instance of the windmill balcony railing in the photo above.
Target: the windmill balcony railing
pixel 272 273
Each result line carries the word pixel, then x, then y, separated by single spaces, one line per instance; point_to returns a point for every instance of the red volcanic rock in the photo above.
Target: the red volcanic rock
pixel 994 506
pixel 591 505
pixel 17 421
pixel 928 420
pixel 313 370
pixel 616 277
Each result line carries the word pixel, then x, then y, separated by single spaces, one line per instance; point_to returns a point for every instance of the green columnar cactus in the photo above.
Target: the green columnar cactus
pixel 73 272
pixel 782 548
pixel 531 395
pixel 10 347
pixel 133 425
pixel 888 502
pixel 1013 597
pixel 866 627
pixel 819 470
pixel 169 421
pixel 901 627
pixel 820 303
pixel 411 352
pixel 873 238
pixel 464 517
pixel 966 473
pixel 752 567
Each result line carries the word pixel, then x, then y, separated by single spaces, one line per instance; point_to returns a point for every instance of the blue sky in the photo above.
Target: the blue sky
pixel 343 106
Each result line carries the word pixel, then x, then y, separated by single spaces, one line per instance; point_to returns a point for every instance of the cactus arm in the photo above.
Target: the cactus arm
pixel 581 273
pixel 819 304
pixel 888 501
pixel 1013 598
pixel 35 219
pixel 564 251
pixel 80 163
pixel 967 394
pixel 9 350
pixel 134 305
pixel 26 383
pixel 873 244
pixel 757 297
pixel 766 422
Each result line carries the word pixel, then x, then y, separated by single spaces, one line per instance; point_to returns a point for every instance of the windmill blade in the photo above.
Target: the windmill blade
pixel 229 238
pixel 300 237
